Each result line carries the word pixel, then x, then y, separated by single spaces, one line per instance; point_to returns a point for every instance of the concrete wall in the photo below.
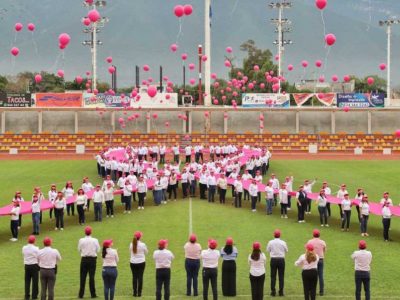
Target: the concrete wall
pixel 244 121
pixel 312 122
pixel 20 121
pixel 280 122
pixel 352 121
pixel 57 121
pixel 386 122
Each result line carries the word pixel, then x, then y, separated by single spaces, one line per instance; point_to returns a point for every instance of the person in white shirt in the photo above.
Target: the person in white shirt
pixel 127 196
pixel 246 176
pixel 47 260
pixel 163 149
pixel 277 250
pixel 222 184
pixel 328 192
pixel 18 198
pixel 309 263
pixel 88 248
pixel 386 199
pixel 238 187
pixel 211 186
pixel 192 182
pixel 283 200
pixel 308 189
pixel 172 185
pixel 59 207
pixel 110 272
pixel 175 150
pixel 364 215
pixel 98 200
pixel 269 197
pixel 257 262
pixel 346 208
pixel 30 253
pixel 185 183
pixel 210 259
pixel 35 214
pixel 142 191
pixel 109 200
pixel 81 205
pixel 258 177
pixel 164 182
pixel 52 196
pixel 340 194
pixel 275 186
pixel 138 251
pixel 203 183
pixel 87 186
pixel 163 259
pixel 68 192
pixel 322 203
pixel 386 216
pixel 253 191
pixel 192 265
pixel 362 265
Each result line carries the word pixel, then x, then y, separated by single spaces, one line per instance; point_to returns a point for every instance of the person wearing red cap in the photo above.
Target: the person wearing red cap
pixel 52 196
pixel 138 251
pixel 328 192
pixel 386 217
pixel 257 262
pixel 340 194
pixel 192 264
pixel 35 206
pixel 283 200
pixel 364 215
pixel 68 192
pixel 59 208
pixel 346 212
pixel 229 254
pixel 18 198
pixel 210 259
pixel 88 248
pixel 222 184
pixel 87 186
pixel 238 188
pixel 301 196
pixel 253 191
pixel 269 197
pixel 309 264
pixel 81 205
pixel 163 259
pixel 98 200
pixel 277 250
pixel 320 249
pixel 30 253
pixel 362 265
pixel 110 272
pixel 15 214
pixel 47 260
pixel 322 203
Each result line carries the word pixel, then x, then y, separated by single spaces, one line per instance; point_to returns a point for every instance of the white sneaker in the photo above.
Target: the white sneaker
pixel 142 207
pixel 281 216
pixel 129 212
pixel 253 210
pixel 112 216
pixel 124 211
pixel 56 228
pixel 13 239
pixel 286 216
pixel 288 208
pixel 107 216
pixel 62 229
pixel 139 207
pixel 326 225
pixel 322 225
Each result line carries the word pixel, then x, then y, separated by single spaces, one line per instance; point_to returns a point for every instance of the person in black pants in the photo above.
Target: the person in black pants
pixel 229 254
pixel 362 265
pixel 257 261
pixel 138 251
pixel 301 204
pixel 163 259
pixel 30 253
pixel 210 269
pixel 277 249
pixel 192 265
pixel 386 215
pixel 309 262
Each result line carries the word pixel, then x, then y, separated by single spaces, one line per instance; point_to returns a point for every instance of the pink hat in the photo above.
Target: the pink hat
pixel 107 243
pixel 192 238
pixel 212 244
pixel 362 244
pixel 316 233
pixel 310 247
pixel 31 239
pixel 162 243
pixel 138 235
pixel 229 241
pixel 47 241
pixel 256 246
pixel 88 230
pixel 277 233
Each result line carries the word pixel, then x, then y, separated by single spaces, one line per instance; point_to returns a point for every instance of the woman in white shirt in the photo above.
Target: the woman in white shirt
pixel 323 208
pixel 172 185
pixel 257 261
pixel 192 265
pixel 163 259
pixel 142 191
pixel 346 212
pixel 238 185
pixel 138 251
pixel 59 207
pixel 210 259
pixel 81 204
pixel 52 196
pixel 35 214
pixel 87 186
pixel 127 193
pixel 364 215
pixel 14 213
pixel 110 273
pixel 309 262
pixel 253 191
pixel 68 192
pixel 222 184
pixel 109 200
pixel 284 201
pixel 386 216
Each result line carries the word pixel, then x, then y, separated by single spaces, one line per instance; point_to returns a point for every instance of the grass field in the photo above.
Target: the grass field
pixel 171 221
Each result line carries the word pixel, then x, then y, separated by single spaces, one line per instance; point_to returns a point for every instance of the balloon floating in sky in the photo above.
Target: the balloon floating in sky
pixel 370 80
pixel 109 59
pixel 18 27
pixel 304 63
pixel 184 56
pixel 38 78
pixel 111 69
pixel 321 4
pixel 86 21
pixel 227 64
pixel 290 67
pixel 14 51
pixel 346 78
pixel 146 68
pixel 64 39
pixel 382 67
pixel 60 73
pixel 179 11
pixel 174 47
pixel 335 78
pixel 93 15
pixel 330 39
pixel 78 79
pixel 318 64
pixel 229 49
pixel 31 27
pixel 152 91
pixel 204 58
pixel 191 66
pixel 188 9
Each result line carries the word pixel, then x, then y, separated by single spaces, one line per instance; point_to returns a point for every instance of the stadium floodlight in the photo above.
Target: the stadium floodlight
pixel 388 23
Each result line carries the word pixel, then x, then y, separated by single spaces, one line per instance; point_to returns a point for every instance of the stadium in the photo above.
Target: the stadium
pixel 269 149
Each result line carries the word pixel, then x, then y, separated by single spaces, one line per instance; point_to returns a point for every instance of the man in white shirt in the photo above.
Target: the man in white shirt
pixel 175 150
pixel 210 259
pixel 277 249
pixel 308 189
pixel 386 199
pixel 269 197
pixel 98 200
pixel 328 191
pixel 30 253
pixel 362 265
pixel 48 259
pixel 211 186
pixel 275 186
pixel 185 182
pixel 88 248
pixel 253 191
pixel 188 153
pixel 238 189
pixel 163 259
pixel 246 176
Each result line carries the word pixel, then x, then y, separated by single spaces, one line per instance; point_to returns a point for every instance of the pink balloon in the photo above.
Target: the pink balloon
pixel 60 73
pixel 109 59
pixel 275 87
pixel 262 85
pixel 204 58
pixel 321 4
pixel 215 102
pixel 251 86
pixel 261 117
pixel 277 57
pixel 86 21
pixel 290 67
pixel 14 51
pixel 304 63
pixel 213 76
pixel 318 64
pixel 31 27
pixel 225 115
pixel 155 116
pixel 179 11
pixel 256 68
pixel 64 39
pixel 38 78
pixel 90 2
pixel 188 9
pixel 335 78
pixel 370 80
pixel 229 49
pixel 78 79
pixel 184 56
pixel 346 109
pixel 206 114
pixel 18 27
pixel 192 81
pixel 382 67
pixel 152 91
pixel 192 66
pixel 397 133
pixel 167 96
pixel 111 69
pixel 121 120
pixel 146 68
pixel 174 47
pixel 346 78
pixel 93 15
pixel 330 39
pixel 87 73
pixel 166 124
pixel 321 78
pixel 227 64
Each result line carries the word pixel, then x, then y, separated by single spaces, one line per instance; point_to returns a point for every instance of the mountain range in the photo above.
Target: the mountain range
pixel 141 31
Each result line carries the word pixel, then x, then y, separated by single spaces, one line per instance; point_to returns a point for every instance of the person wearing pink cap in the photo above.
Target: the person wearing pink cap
pixel 59 207
pixel 210 259
pixel 277 250
pixel 362 265
pixel 257 262
pixel 68 192
pixel 14 213
pixel 30 253
pixel 309 264
pixel 138 251
pixel 35 206
pixel 81 205
pixel 18 198
pixel 322 203
pixel 88 248
pixel 229 254
pixel 320 249
pixel 269 197
pixel 51 197
pixel 163 259
pixel 47 260
pixel 346 212
pixel 386 217
pixel 110 272
pixel 364 215
pixel 192 265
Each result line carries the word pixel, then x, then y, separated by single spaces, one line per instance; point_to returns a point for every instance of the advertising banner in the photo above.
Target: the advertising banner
pixel 161 100
pixel 327 99
pixel 302 98
pixel 266 100
pixel 58 99
pixel 15 100
pixel 359 100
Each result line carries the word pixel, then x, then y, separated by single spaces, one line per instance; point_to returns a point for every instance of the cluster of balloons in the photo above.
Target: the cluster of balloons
pixel 63 40
pixel 183 10
pixel 18 27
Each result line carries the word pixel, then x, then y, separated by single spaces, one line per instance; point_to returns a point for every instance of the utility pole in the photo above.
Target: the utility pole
pixel 200 53
pixel 93 30
pixel 388 23
pixel 282 26
pixel 207 46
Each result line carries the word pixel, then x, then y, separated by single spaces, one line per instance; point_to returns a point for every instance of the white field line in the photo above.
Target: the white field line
pixel 190 216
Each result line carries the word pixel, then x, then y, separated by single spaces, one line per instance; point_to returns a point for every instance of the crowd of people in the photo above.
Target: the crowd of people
pixel 42 263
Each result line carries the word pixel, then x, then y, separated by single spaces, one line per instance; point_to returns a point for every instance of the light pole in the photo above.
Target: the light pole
pixel 280 29
pixel 207 45
pixel 388 24
pixel 94 29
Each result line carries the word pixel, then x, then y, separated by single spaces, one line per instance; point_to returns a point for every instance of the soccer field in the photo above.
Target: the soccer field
pixel 173 221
